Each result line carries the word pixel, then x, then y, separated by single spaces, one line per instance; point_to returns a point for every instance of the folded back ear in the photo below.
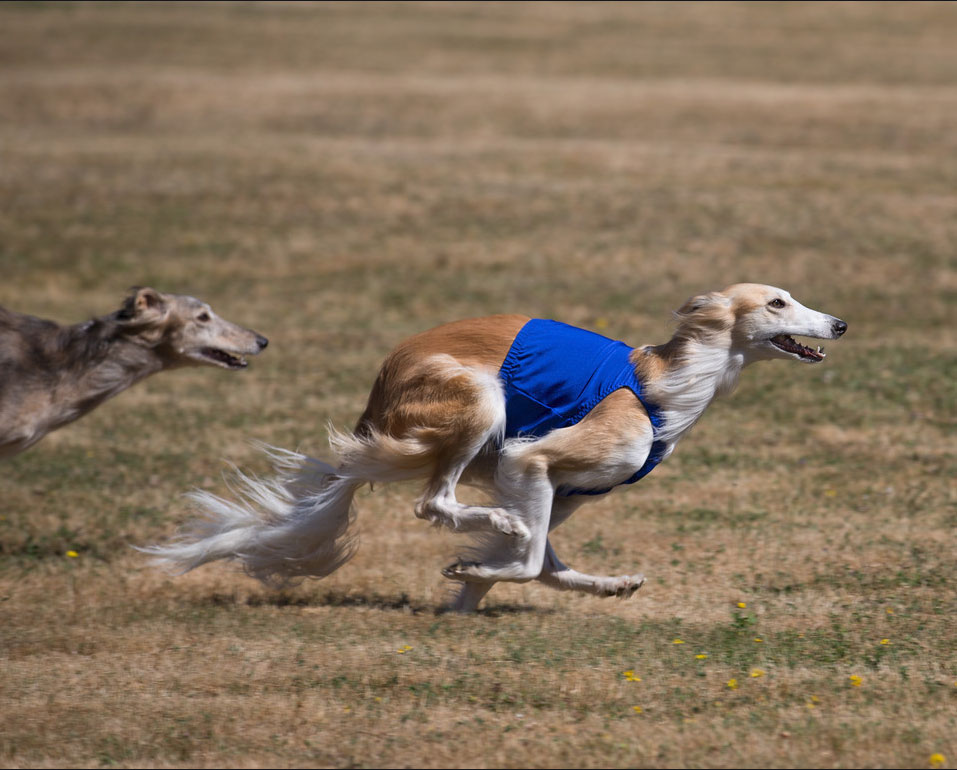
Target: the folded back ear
pixel 711 311
pixel 148 301
pixel 144 306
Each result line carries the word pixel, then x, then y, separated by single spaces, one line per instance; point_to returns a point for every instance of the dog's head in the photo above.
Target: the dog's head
pixel 760 321
pixel 185 330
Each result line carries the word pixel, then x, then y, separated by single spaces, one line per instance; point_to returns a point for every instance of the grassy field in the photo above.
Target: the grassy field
pixel 339 176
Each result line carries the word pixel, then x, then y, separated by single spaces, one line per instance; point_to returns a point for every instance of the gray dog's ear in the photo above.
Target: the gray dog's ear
pixel 147 300
pixel 143 305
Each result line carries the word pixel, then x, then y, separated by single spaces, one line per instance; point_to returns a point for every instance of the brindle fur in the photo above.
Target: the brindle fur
pixel 51 375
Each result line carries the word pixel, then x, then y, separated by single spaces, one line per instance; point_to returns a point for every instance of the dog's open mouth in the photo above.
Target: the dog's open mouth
pixel 789 345
pixel 222 358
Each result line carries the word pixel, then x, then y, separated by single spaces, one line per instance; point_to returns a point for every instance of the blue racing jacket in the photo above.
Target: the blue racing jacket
pixel 555 374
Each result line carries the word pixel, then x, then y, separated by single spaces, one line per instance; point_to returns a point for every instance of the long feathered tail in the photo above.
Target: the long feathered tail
pixel 298 523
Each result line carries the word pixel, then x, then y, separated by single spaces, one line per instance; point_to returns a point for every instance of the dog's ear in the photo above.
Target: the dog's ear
pixel 706 311
pixel 148 301
pixel 143 305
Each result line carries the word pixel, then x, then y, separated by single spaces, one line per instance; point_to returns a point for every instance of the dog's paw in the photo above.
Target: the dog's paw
pixel 508 524
pixel 462 571
pixel 438 519
pixel 625 586
pixel 429 514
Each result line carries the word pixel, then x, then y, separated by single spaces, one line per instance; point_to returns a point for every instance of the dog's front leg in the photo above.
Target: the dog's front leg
pixel 564 578
pixel 558 575
pixel 600 451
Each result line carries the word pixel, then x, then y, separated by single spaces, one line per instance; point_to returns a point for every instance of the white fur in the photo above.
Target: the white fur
pixel 684 393
pixel 294 525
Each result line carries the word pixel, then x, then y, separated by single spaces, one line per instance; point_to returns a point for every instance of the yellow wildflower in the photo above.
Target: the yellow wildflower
pixel 630 676
pixel 756 672
pixel 72 554
pixel 937 760
pixel 404 649
pixel 677 641
pixel 637 709
pixel 856 681
pixel 702 656
pixel 742 605
pixel 885 641
pixel 733 684
pixel 758 639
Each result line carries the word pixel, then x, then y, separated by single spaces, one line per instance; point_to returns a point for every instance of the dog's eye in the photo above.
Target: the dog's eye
pixel 776 302
pixel 203 317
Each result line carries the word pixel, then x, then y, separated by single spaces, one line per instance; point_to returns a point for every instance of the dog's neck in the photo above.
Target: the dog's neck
pixel 96 361
pixel 683 376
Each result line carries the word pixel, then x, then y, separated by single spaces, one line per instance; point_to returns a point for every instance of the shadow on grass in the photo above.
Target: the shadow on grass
pixel 400 602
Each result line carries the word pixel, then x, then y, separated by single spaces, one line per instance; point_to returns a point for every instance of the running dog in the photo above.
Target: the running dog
pixel 51 375
pixel 543 415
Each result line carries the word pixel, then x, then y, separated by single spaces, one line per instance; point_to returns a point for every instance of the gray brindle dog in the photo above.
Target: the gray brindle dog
pixel 51 375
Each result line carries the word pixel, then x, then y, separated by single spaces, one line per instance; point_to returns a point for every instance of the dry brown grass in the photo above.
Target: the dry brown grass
pixel 339 176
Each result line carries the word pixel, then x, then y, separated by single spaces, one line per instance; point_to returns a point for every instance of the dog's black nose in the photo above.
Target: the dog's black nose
pixel 839 327
pixel 262 341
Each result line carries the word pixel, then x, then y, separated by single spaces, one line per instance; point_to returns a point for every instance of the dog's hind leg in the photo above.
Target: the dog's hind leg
pixel 473 422
pixel 597 453
pixel 525 491
pixel 468 597
pixel 439 506
pixel 446 413
pixel 564 578
pixel 471 594
pixel 554 573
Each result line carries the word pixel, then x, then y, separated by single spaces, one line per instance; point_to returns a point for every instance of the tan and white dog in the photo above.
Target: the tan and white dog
pixel 437 411
pixel 51 375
